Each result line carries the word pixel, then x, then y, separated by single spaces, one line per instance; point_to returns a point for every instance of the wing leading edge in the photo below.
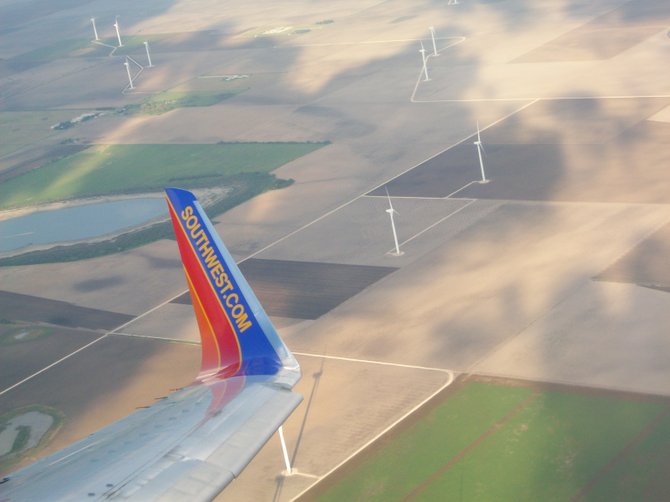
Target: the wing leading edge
pixel 191 444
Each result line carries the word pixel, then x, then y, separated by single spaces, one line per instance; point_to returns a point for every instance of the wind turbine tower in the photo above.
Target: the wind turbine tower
pixel 130 78
pixel 287 462
pixel 480 149
pixel 391 212
pixel 146 46
pixel 116 26
pixel 432 36
pixel 95 30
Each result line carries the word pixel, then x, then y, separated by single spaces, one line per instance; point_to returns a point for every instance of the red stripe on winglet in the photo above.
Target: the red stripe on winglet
pixel 210 313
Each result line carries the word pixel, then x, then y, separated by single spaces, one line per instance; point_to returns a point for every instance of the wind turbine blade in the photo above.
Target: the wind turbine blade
pixel 479 139
pixel 389 198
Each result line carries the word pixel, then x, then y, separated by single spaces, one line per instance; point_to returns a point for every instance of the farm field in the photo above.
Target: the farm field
pixel 23 129
pixel 492 440
pixel 82 47
pixel 195 92
pixel 113 169
pixel 535 273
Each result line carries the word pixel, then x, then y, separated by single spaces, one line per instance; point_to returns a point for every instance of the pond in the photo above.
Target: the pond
pixel 78 223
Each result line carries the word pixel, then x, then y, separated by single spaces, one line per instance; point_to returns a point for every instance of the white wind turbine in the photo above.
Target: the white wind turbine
pixel 424 59
pixel 432 36
pixel 95 29
pixel 391 212
pixel 116 27
pixel 130 78
pixel 146 46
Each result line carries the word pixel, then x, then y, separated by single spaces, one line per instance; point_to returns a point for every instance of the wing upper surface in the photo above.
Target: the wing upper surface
pixel 188 446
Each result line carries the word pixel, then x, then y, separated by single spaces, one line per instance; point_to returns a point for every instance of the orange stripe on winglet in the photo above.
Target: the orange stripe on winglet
pixel 204 324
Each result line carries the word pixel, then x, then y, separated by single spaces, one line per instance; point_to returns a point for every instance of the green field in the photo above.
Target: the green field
pixel 115 169
pixel 195 92
pixel 22 129
pixel 63 48
pixel 76 47
pixel 170 100
pixel 495 442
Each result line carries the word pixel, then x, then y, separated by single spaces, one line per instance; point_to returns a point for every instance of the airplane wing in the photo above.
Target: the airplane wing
pixel 191 444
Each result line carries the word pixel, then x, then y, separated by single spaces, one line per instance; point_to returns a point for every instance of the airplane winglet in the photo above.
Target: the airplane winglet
pixel 237 336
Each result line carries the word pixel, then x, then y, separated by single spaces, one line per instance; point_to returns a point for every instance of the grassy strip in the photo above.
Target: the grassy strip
pixel 547 450
pixel 171 100
pixel 117 169
pixel 244 187
pixel 74 47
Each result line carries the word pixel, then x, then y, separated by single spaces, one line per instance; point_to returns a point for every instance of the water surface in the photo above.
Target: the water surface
pixel 78 223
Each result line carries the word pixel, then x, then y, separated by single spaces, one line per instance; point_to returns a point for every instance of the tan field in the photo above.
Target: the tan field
pixel 539 274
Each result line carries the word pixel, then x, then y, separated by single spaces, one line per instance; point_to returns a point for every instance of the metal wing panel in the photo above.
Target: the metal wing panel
pixel 188 446
pixel 206 479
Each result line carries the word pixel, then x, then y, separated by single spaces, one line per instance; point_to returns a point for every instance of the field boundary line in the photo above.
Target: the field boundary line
pixel 371 361
pixel 461 189
pixel 569 383
pixel 434 224
pixel 449 381
pixel 459 39
pixel 30 377
pixel 410 197
pixel 152 309
pixel 453 145
pixel 296 472
pixel 158 338
pixel 543 98
pixel 418 80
